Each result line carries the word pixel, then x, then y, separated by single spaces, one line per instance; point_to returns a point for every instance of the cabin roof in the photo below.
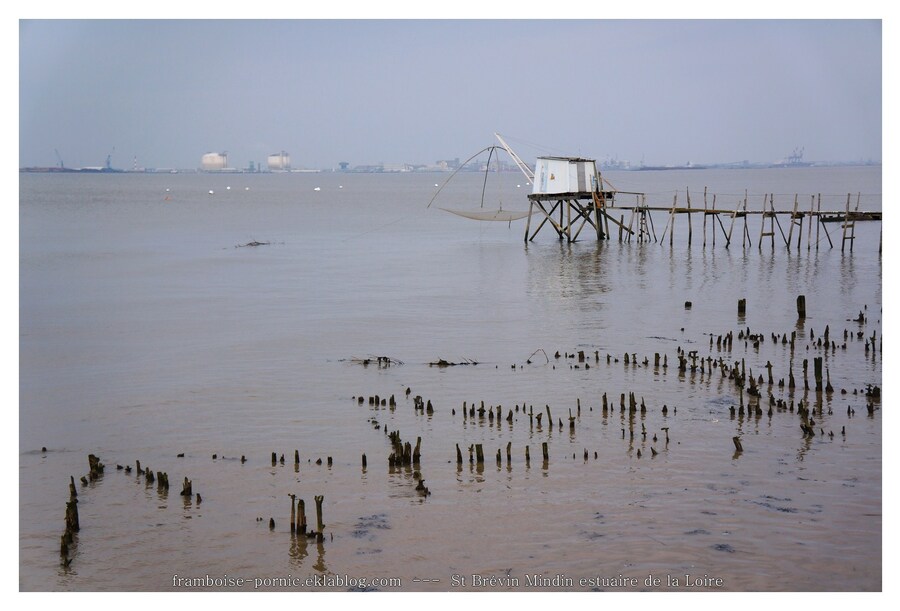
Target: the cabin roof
pixel 564 158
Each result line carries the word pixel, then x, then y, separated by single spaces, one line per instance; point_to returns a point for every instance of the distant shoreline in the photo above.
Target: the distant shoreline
pixel 662 168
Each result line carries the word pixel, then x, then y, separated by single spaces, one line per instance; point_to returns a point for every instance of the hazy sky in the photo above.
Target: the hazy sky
pixel 665 92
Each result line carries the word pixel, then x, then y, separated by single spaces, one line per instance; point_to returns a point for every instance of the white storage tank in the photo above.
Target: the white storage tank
pixel 279 162
pixel 214 161
pixel 564 175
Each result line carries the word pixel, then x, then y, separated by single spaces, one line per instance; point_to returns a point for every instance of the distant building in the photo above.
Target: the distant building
pixel 447 164
pixel 279 162
pixel 211 162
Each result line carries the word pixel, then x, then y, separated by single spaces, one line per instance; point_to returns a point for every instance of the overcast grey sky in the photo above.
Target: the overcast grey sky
pixel 665 92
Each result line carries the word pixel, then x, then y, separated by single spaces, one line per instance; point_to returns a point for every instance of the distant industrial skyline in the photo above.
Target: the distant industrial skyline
pixel 369 92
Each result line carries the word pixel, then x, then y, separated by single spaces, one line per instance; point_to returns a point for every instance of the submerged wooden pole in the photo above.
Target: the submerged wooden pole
pixel 293 513
pixel 301 516
pixel 320 526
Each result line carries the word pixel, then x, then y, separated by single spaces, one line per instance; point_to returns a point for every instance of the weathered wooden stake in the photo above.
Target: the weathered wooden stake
pixel 72 523
pixel 293 514
pixel 320 526
pixel 801 306
pixel 301 516
pixel 737 444
pixel 186 488
pixel 817 368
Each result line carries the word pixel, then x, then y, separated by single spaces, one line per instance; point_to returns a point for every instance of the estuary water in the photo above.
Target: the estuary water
pixel 188 320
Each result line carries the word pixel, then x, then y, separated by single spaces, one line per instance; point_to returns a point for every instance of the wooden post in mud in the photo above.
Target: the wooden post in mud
pixel 459 459
pixel 95 465
pixel 801 307
pixel 293 514
pixel 546 453
pixel 364 462
pixel 689 215
pixel 742 307
pixel 186 488
pixel 320 526
pixel 704 218
pixel 527 456
pixel 508 452
pixel 479 454
pixel 301 517
pixel 737 444
pixel 817 369
pixel 417 452
pixel 72 524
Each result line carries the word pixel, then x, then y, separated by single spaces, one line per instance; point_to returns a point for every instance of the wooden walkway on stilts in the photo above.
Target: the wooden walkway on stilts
pixel 569 213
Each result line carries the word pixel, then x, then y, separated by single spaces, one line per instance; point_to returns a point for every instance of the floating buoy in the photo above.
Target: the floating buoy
pixel 317 189
pixel 518 186
pixel 340 186
pixel 167 190
pixel 210 191
pixel 228 188
pixel 246 188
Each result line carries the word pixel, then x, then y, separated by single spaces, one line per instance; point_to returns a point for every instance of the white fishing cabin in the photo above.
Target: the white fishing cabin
pixel 565 182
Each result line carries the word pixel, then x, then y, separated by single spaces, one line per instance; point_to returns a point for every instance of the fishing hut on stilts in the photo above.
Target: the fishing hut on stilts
pixel 568 193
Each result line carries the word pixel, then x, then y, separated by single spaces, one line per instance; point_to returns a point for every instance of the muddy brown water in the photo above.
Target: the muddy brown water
pixel 147 330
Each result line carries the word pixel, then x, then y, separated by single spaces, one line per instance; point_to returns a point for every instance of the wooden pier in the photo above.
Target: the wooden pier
pixel 569 213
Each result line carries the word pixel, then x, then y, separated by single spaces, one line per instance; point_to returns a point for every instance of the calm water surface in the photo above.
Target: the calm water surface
pixel 147 330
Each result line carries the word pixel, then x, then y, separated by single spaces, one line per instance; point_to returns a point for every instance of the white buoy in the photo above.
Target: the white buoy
pixel 167 190
pixel 435 184
pixel 518 186
pixel 340 186
pixel 317 189
pixel 228 188
pixel 210 191
pixel 246 188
